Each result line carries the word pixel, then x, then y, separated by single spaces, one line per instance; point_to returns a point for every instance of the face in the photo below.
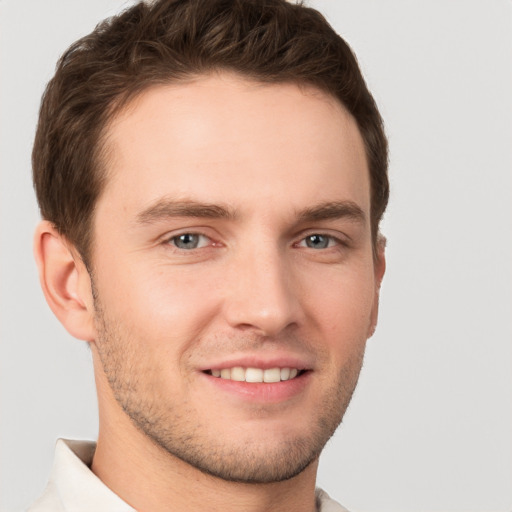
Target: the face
pixel 233 274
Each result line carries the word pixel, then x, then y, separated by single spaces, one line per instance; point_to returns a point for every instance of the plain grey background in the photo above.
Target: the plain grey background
pixel 430 425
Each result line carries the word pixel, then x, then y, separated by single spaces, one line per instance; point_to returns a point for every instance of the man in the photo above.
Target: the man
pixel 211 177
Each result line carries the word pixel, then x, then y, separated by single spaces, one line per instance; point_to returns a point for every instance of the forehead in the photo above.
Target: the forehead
pixel 223 138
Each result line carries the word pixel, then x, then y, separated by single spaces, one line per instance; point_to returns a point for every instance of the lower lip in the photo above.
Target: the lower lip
pixel 261 392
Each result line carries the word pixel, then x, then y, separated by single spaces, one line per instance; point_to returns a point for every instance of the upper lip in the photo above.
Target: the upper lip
pixel 260 361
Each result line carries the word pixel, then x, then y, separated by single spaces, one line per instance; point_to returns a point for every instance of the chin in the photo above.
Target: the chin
pixel 251 464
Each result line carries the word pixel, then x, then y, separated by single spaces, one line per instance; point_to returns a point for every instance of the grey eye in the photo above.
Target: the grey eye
pixel 187 241
pixel 317 241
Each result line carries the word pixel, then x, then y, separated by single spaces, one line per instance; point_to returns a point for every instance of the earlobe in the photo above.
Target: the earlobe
pixel 65 282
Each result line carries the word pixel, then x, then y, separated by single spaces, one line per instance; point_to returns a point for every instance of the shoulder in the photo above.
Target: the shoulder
pixel 73 486
pixel 48 502
pixel 324 503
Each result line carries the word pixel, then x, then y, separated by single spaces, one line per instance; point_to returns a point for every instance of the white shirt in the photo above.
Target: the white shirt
pixel 73 487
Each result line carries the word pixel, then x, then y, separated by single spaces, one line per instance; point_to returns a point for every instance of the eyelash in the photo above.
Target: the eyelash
pixel 175 238
pixel 332 241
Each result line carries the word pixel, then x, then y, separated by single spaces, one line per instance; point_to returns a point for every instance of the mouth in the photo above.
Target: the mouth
pixel 262 379
pixel 256 375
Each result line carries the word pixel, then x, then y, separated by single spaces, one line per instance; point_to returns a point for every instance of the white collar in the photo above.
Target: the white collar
pixel 73 487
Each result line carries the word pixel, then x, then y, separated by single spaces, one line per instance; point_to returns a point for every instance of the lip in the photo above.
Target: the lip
pixel 260 392
pixel 258 361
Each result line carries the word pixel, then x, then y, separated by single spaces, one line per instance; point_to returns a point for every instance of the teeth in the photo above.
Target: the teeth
pixel 254 375
pixel 285 373
pixel 240 374
pixel 272 375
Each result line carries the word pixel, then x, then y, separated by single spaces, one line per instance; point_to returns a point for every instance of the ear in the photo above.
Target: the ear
pixel 65 281
pixel 379 266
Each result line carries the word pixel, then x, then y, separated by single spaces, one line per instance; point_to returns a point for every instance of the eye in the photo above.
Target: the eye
pixel 188 241
pixel 317 241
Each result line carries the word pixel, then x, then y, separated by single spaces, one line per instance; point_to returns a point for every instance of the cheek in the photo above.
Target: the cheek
pixel 166 306
pixel 343 307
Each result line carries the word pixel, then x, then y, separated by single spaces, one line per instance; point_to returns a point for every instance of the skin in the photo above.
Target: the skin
pixel 283 271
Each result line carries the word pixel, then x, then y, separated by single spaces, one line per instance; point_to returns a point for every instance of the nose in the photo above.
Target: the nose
pixel 263 295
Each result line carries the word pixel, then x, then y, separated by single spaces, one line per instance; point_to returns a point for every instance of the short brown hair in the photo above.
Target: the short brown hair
pixel 167 41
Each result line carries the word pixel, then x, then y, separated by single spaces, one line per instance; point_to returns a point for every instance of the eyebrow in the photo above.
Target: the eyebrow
pixel 333 210
pixel 167 208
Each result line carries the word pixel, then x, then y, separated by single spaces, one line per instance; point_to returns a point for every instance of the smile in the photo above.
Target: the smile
pixel 240 374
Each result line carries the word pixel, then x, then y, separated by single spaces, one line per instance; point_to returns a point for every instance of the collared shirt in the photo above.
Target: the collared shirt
pixel 73 487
